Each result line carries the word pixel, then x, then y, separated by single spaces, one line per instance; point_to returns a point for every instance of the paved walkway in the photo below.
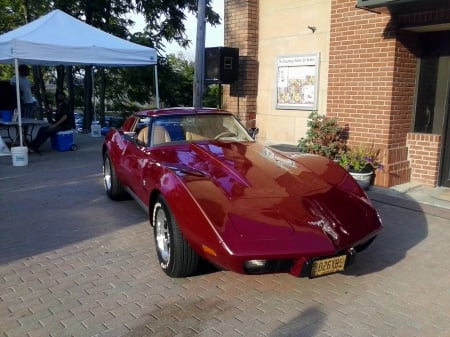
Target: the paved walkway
pixel 74 263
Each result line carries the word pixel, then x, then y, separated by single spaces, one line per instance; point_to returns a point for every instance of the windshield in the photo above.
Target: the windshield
pixel 197 127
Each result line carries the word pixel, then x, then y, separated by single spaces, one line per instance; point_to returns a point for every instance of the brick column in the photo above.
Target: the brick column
pixel 371 84
pixel 241 31
pixel 424 153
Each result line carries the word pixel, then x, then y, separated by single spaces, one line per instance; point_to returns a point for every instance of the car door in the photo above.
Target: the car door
pixel 134 160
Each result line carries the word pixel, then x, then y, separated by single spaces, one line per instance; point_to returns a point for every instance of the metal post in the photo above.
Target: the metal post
pixel 19 108
pixel 93 92
pixel 199 55
pixel 156 86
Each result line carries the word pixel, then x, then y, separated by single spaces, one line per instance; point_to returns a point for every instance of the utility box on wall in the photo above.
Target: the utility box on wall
pixel 221 65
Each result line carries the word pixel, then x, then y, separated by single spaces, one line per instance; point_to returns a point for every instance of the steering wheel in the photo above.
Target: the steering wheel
pixel 225 134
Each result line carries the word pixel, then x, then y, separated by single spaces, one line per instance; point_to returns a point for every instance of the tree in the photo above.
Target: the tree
pixel 178 75
pixel 175 74
pixel 164 21
pixel 212 96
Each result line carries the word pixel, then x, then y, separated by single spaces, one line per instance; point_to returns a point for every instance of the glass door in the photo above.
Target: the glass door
pixel 445 168
pixel 432 110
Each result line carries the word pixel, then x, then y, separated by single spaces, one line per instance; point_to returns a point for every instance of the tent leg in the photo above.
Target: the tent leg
pixel 19 109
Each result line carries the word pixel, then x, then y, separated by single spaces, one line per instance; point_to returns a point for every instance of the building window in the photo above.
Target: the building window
pixel 297 82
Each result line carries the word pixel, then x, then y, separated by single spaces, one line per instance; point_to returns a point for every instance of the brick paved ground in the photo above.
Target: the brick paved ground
pixel 73 263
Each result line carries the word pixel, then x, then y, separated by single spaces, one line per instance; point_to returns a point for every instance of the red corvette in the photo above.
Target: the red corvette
pixel 212 192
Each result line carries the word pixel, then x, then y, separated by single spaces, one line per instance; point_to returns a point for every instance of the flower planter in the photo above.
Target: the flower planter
pixel 363 179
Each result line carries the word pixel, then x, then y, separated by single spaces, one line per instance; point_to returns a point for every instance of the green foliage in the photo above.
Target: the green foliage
pixel 211 96
pixel 324 137
pixel 176 75
pixel 122 89
pixel 165 19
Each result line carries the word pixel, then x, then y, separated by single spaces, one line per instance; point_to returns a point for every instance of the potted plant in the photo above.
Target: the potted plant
pixel 361 162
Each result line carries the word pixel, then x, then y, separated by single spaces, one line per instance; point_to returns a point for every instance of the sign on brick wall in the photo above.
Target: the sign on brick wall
pixel 297 81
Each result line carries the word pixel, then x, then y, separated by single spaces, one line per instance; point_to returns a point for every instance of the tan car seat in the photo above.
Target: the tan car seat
pixel 160 135
pixel 142 136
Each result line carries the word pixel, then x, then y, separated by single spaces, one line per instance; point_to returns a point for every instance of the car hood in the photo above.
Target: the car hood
pixel 265 195
pixel 245 170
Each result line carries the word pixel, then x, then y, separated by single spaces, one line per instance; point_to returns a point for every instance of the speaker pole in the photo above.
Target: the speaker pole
pixel 199 55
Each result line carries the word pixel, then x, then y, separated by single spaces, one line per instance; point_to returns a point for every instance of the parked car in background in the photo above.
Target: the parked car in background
pixel 111 122
pixel 79 124
pixel 77 114
pixel 212 192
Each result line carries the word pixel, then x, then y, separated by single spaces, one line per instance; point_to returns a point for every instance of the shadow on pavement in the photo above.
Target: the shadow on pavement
pixel 308 323
pixel 58 199
pixel 405 226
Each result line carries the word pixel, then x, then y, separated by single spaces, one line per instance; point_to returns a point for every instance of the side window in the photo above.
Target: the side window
pixel 129 128
pixel 141 131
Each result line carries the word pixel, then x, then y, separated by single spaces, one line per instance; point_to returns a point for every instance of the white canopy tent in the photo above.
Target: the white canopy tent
pixel 60 39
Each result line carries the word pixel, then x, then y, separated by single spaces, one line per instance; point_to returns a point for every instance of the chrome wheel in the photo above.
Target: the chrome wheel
pixel 162 235
pixel 113 186
pixel 175 255
pixel 107 174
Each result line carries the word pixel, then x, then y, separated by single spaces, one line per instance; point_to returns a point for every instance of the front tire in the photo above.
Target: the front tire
pixel 175 255
pixel 113 187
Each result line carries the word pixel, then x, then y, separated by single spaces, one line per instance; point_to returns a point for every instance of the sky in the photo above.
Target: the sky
pixel 213 35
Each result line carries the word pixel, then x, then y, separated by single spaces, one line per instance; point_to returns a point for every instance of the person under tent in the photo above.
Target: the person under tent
pixel 63 120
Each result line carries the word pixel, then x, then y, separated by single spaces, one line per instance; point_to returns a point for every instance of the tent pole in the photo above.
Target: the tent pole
pixel 19 109
pixel 93 92
pixel 156 86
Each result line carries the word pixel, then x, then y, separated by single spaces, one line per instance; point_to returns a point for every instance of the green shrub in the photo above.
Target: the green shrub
pixel 324 137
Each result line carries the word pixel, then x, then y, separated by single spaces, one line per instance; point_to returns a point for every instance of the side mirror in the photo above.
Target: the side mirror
pixel 128 135
pixel 253 132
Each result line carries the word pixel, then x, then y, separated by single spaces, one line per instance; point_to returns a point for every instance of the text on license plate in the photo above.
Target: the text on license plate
pixel 328 266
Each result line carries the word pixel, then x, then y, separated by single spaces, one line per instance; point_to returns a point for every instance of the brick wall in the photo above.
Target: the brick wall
pixel 241 31
pixel 424 153
pixel 371 81
pixel 371 84
pixel 424 150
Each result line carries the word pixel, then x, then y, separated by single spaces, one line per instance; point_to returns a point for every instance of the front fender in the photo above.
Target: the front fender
pixel 195 226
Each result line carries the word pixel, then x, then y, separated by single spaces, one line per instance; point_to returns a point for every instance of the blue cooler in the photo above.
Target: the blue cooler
pixel 63 141
pixel 6 115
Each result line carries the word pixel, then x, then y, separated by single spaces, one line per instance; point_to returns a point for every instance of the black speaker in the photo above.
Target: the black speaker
pixel 221 65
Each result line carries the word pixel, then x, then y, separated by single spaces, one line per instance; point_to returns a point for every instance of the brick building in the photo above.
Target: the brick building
pixel 381 67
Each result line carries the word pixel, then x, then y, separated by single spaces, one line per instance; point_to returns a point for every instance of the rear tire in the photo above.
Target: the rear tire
pixel 175 255
pixel 113 187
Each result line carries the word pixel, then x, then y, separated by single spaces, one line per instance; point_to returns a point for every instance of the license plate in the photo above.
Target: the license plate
pixel 328 266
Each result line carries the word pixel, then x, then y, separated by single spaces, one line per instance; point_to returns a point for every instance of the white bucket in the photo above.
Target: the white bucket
pixel 19 155
pixel 96 129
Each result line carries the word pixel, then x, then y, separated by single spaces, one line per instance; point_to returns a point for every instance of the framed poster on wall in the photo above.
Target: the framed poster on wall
pixel 297 81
